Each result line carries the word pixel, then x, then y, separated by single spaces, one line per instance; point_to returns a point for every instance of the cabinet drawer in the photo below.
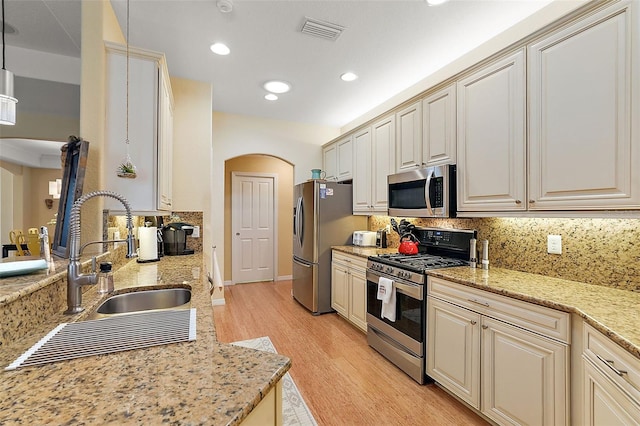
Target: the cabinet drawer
pixel 619 365
pixel 349 260
pixel 539 319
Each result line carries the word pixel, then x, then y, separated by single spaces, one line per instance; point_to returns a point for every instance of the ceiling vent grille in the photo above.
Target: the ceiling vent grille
pixel 322 29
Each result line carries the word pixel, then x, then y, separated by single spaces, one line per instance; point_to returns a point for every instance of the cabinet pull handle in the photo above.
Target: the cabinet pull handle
pixel 473 322
pixel 477 302
pixel 610 364
pixel 518 202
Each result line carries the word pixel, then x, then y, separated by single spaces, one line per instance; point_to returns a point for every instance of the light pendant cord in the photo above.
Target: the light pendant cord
pixel 127 135
pixel 3 45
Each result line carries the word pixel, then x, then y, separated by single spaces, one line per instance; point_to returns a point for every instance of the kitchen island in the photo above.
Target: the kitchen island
pixel 198 382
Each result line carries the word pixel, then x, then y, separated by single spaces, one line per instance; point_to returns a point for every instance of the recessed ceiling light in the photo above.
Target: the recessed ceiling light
pixel 436 2
pixel 348 76
pixel 270 97
pixel 277 86
pixel 220 49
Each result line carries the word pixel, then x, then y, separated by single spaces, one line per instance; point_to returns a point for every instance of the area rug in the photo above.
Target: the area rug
pixel 294 409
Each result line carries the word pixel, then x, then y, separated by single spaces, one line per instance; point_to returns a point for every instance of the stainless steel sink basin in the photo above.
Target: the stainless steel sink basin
pixel 146 300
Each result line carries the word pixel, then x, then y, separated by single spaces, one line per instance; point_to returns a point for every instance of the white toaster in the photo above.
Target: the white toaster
pixel 364 238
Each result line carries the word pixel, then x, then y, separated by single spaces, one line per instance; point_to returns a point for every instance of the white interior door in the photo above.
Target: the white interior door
pixel 253 235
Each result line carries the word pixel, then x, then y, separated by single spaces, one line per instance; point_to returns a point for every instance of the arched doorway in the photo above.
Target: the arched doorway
pixel 253 172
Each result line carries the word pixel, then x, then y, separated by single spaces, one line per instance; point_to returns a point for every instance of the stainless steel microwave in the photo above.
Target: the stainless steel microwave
pixel 427 192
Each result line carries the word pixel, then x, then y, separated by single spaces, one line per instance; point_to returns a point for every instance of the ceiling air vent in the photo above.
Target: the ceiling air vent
pixel 322 29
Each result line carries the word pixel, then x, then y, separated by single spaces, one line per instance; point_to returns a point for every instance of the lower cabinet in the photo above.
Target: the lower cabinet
pixel 349 288
pixel 268 411
pixel 611 382
pixel 495 363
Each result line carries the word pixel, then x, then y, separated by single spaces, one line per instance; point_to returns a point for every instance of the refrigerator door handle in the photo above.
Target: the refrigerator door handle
pixel 300 219
pixel 306 265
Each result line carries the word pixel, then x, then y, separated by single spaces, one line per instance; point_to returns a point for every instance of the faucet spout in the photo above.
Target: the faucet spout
pixel 75 278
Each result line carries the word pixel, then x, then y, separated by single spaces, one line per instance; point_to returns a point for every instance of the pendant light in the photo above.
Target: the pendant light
pixel 7 101
pixel 127 169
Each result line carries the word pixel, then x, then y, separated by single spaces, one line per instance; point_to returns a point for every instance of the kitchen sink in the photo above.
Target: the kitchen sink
pixel 145 300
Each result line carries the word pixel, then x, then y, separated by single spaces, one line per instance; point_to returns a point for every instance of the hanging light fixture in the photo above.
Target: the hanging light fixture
pixel 7 101
pixel 127 169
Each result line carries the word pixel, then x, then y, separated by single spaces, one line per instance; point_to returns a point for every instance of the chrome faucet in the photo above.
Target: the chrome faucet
pixel 76 279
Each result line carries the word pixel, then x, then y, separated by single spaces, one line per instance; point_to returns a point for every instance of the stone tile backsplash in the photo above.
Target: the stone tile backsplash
pixel 596 251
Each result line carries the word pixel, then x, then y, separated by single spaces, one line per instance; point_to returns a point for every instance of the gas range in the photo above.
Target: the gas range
pixel 411 267
pixel 438 248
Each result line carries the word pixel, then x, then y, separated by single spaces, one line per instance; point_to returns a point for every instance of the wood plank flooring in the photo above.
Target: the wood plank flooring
pixel 342 379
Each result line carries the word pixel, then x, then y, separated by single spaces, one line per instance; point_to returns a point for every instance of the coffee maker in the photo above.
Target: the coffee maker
pixel 174 238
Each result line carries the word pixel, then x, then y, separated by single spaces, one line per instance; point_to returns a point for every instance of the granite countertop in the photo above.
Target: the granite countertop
pixel 612 311
pixel 198 382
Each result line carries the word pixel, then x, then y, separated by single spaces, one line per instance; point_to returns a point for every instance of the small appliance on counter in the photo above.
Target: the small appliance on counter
pixel 381 239
pixel 364 238
pixel 174 237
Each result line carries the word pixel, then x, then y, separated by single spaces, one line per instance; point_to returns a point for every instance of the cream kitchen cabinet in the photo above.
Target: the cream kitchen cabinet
pixel 150 125
pixel 349 288
pixel 611 382
pixel 330 161
pixel 491 144
pixel 506 358
pixel 409 137
pixel 584 89
pixel 337 159
pixel 374 154
pixel 439 127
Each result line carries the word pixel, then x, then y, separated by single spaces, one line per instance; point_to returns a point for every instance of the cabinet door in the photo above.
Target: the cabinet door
pixel 604 402
pixel 524 376
pixel 339 288
pixel 358 298
pixel 581 88
pixel 362 171
pixel 384 145
pixel 345 159
pixel 453 349
pixel 165 146
pixel 409 137
pixel 491 137
pixel 439 127
pixel 330 161
pixel 141 192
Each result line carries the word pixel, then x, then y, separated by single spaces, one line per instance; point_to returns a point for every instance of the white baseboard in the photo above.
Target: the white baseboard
pixel 284 278
pixel 217 302
pixel 229 282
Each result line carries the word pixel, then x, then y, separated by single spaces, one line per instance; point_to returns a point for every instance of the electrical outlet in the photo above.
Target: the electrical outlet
pixel 196 232
pixel 554 244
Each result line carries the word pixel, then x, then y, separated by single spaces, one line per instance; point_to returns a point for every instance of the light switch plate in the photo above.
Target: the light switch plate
pixel 554 244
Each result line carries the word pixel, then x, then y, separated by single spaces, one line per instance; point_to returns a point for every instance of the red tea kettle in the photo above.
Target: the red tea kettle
pixel 408 244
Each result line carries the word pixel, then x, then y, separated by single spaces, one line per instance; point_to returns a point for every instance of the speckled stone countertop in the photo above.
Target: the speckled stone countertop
pixel 198 382
pixel 612 311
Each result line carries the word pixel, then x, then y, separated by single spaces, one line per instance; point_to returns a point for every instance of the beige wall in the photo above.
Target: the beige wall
pixel 42 126
pixel 284 206
pixel 595 251
pixel 236 135
pixel 192 153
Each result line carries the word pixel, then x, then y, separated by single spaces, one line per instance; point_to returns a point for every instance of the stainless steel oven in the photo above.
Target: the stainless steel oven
pixel 401 341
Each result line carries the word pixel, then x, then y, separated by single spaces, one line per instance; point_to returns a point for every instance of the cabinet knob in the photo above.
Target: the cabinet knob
pixel 237 233
pixel 532 201
pixel 484 327
pixel 473 322
pixel 518 202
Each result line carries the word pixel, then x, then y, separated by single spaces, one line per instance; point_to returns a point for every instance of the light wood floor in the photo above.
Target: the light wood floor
pixel 342 379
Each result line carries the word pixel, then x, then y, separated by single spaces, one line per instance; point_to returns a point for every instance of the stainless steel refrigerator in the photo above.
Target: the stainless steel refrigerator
pixel 322 217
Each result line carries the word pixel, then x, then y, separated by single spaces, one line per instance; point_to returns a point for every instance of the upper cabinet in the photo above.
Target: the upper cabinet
pixel 582 82
pixel 491 136
pixel 330 161
pixel 337 159
pixel 409 137
pixel 439 127
pixel 150 128
pixel 374 155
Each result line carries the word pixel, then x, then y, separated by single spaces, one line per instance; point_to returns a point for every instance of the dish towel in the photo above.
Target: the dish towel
pixel 387 294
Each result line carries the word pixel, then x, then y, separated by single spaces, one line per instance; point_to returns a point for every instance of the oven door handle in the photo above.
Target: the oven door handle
pixel 412 290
